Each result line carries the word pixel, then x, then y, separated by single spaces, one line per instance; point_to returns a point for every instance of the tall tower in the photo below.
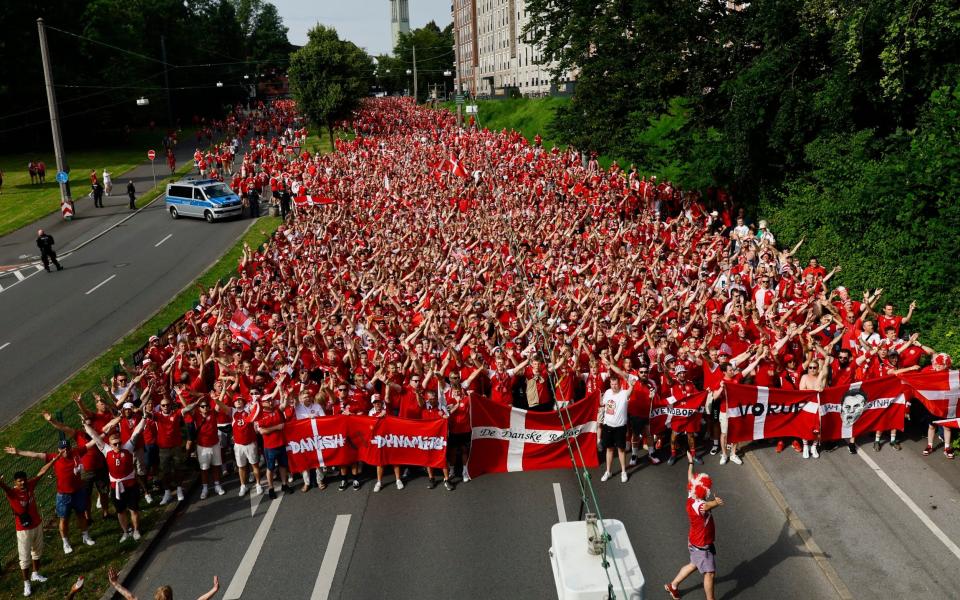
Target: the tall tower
pixel 399 20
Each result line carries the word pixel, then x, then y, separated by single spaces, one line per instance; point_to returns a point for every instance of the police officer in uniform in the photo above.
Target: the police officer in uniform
pixel 47 254
pixel 132 193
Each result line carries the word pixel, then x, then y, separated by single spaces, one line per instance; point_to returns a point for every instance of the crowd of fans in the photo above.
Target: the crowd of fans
pixel 455 263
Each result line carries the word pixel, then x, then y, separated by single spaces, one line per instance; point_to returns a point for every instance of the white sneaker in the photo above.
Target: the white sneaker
pixel 179 494
pixel 289 479
pixel 606 476
pixel 99 502
pixel 218 490
pixel 399 484
pixel 633 460
pixel 806 451
pixel 466 476
pixel 203 493
pixel 377 487
pixel 623 477
pixel 88 540
pixel 723 459
pixel 148 498
pixel 167 498
pixel 67 549
pixel 26 588
pixel 136 535
pixel 243 489
pixel 814 452
pixel 259 489
pixel 37 577
pixel 736 459
pixel 124 537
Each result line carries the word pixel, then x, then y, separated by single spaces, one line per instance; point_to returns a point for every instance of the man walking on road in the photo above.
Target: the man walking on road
pixel 97 195
pixel 47 254
pixel 700 541
pixel 132 193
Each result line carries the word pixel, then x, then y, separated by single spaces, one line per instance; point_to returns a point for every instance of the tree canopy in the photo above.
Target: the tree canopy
pixel 434 56
pixel 329 76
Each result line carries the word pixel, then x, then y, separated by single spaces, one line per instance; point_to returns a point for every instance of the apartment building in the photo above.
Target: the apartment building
pixel 491 54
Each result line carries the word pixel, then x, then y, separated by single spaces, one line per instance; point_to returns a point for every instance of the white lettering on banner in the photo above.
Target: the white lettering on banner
pixel 763 396
pixel 518 436
pixel 880 403
pixel 317 442
pixel 420 442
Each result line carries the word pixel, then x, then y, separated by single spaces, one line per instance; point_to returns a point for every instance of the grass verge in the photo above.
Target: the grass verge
pixel 30 432
pixel 22 202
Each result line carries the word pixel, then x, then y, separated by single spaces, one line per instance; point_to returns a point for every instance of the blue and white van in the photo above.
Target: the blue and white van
pixel 202 198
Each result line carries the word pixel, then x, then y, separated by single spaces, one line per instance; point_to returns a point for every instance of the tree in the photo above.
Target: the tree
pixel 329 77
pixel 434 57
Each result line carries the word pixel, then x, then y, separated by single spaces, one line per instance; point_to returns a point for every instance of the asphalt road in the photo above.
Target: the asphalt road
pixel 51 324
pixel 487 539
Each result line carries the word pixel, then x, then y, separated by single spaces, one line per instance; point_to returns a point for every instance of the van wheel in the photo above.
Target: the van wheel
pixel 208 216
pixel 173 213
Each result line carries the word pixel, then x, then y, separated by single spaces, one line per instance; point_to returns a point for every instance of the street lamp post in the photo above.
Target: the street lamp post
pixel 408 81
pixel 446 94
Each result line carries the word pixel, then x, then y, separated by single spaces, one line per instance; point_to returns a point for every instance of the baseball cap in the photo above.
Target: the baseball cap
pixel 680 369
pixel 63 444
pixel 128 405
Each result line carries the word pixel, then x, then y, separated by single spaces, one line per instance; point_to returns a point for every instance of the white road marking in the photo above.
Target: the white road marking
pixel 169 235
pixel 328 568
pixel 4 346
pixel 239 581
pixel 558 497
pixel 94 288
pixel 19 275
pixel 951 546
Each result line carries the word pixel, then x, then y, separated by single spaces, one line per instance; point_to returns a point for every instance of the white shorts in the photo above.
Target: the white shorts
pixel 208 456
pixel 246 454
pixel 724 421
pixel 29 545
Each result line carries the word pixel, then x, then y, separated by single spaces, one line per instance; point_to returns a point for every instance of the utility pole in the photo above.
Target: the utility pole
pixel 415 74
pixel 166 81
pixel 54 118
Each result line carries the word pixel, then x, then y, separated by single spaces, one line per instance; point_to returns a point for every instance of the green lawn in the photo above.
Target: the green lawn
pixel 22 203
pixel 529 116
pixel 30 432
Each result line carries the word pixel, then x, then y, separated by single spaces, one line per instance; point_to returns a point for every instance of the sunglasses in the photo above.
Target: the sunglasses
pixel 164 406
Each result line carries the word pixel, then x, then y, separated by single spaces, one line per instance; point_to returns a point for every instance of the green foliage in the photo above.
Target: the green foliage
pixel 329 76
pixel 434 56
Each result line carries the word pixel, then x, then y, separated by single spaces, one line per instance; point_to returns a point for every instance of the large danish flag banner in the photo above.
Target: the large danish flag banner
pixel 507 439
pixel 863 407
pixel 346 439
pixel 681 416
pixel 938 390
pixel 244 327
pixel 314 443
pixel 757 413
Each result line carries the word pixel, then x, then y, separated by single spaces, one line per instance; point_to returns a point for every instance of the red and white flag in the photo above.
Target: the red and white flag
pixel 863 407
pixel 507 439
pixel 938 390
pixel 757 413
pixel 951 423
pixel 397 441
pixel 315 443
pixel 244 327
pixel 306 201
pixel 682 416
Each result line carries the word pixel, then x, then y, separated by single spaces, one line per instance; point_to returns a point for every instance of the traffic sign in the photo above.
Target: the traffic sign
pixel 459 98
pixel 151 154
pixel 62 177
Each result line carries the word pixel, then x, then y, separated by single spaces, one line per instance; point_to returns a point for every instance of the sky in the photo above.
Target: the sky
pixel 366 23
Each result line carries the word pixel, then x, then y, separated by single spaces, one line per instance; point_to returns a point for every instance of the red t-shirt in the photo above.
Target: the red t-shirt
pixel 91 460
pixel 120 465
pixel 883 322
pixel 67 470
pixel 501 388
pixel 409 408
pixel 638 405
pixel 169 434
pixel 702 528
pixel 208 435
pixel 273 439
pixel 460 418
pixel 243 431
pixel 24 501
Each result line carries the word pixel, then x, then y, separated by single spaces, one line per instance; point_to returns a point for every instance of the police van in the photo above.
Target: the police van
pixel 202 198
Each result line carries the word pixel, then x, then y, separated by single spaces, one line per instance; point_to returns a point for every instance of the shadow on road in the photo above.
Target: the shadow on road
pixel 749 572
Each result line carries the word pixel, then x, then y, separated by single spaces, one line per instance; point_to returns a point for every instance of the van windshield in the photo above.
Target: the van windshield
pixel 217 191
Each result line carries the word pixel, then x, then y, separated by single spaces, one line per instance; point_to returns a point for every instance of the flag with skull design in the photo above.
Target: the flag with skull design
pixel 848 411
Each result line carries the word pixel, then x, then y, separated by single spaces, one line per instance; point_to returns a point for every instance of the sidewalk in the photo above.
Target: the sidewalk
pixel 18 249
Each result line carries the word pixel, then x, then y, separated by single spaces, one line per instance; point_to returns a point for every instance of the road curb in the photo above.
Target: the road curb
pixel 147 543
pixel 843 593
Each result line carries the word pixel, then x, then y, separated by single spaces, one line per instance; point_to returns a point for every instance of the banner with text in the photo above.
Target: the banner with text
pixel 757 413
pixel 848 411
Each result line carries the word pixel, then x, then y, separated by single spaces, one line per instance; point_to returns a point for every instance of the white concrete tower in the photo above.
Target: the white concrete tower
pixel 399 20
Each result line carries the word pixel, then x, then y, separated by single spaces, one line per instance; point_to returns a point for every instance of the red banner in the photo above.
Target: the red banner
pixel 863 407
pixel 303 201
pixel 313 443
pixel 938 390
pixel 682 416
pixel 758 413
pixel 507 439
pixel 396 441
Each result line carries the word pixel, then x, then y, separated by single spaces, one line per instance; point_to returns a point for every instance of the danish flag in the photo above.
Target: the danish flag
pixel 938 390
pixel 244 327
